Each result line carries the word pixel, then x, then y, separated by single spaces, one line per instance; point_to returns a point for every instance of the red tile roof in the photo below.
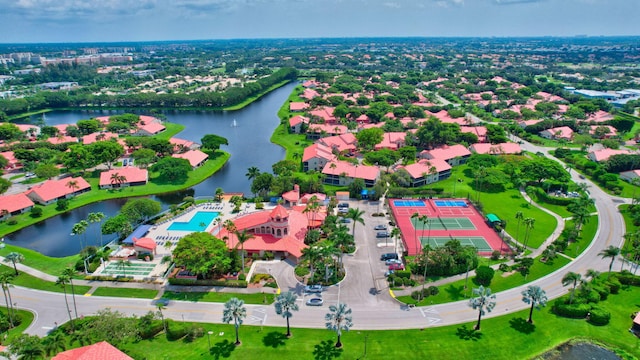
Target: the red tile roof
pixel 350 170
pixel 131 173
pixel 345 142
pixel 443 116
pixel 448 152
pixel 605 154
pixel 391 140
pixel 279 212
pixel 62 139
pixel 317 150
pixel 562 132
pixel 93 137
pixel 298 120
pixel 331 129
pixel 293 195
pixel 99 351
pixel 497 149
pixel 53 189
pixel 152 128
pixel 325 113
pixel 15 202
pixel 416 170
pixel 195 157
pixel 298 106
pixel 145 243
pixel 480 131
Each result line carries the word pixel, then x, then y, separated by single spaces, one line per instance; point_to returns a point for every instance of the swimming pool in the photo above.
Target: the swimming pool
pixel 405 203
pixel 450 203
pixel 199 222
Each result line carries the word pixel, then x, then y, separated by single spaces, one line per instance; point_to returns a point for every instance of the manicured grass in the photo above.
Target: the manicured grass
pixel 27 319
pixel 256 97
pixel 125 292
pixel 292 143
pixel 34 259
pixel 505 337
pixel 587 234
pixel 219 297
pixel 170 130
pixel 153 187
pixel 26 280
pixel 455 291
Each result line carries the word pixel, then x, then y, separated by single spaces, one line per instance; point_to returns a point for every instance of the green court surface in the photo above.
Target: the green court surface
pixel 133 269
pixel 476 241
pixel 444 224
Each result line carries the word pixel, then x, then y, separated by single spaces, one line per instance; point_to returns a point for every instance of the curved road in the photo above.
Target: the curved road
pixel 363 289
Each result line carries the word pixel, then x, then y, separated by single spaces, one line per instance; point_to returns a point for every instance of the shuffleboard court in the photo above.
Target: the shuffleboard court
pixel 443 224
pixel 133 268
pixel 476 241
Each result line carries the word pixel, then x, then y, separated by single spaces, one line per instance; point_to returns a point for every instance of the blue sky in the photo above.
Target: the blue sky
pixel 140 20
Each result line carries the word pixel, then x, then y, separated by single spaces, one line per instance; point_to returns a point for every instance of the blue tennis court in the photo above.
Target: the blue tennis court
pixel 408 203
pixel 450 203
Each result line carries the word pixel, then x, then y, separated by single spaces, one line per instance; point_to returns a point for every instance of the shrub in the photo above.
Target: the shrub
pixel 209 282
pixel 574 311
pixel 484 275
pixel 175 330
pixel 603 292
pixel 614 285
pixel 62 204
pixel 194 332
pixel 495 255
pixel 598 316
pixel 144 256
pixel 36 212
pixel 417 295
pixel 242 276
pixel 152 330
pixel 405 274
pixel 12 220
pixel 301 271
pixel 271 284
pixel 504 268
pixel 259 206
pixel 166 258
pixel 433 290
pixel 627 278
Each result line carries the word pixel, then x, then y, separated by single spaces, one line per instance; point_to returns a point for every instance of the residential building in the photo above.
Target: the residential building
pixel 558 133
pixel 196 157
pixel 508 148
pixel 316 156
pixel 428 171
pixel 605 154
pixel 98 351
pixel 343 173
pixel 123 177
pixel 296 123
pixel 453 155
pixel 52 190
pixel 14 204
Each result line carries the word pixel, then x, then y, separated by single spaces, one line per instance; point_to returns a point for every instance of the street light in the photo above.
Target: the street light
pixel 209 338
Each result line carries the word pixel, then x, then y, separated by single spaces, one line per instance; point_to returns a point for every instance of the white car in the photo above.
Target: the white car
pixel 313 288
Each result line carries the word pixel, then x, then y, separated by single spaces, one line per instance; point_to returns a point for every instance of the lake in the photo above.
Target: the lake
pixel 249 145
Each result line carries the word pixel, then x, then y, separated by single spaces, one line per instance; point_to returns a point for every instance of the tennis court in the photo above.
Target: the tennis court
pixel 450 203
pixel 476 241
pixel 128 269
pixel 408 203
pixel 443 223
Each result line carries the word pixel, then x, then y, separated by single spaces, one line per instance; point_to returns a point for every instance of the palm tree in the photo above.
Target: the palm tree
pixel 313 206
pixel 528 225
pixel 123 264
pixel 161 307
pixel 54 343
pixel 592 274
pixel 415 216
pixel 312 254
pixel 62 281
pixel 339 319
pixel 73 185
pixel 285 304
pixel 14 257
pixel 483 302
pixel 610 252
pixel 70 272
pixel 242 237
pixel 31 350
pixel 571 278
pixel 230 226
pixel 96 217
pixel 5 280
pixel 252 173
pixel 535 296
pixel 519 217
pixel 395 232
pixel 80 228
pixel 219 194
pixel 355 214
pixel 235 311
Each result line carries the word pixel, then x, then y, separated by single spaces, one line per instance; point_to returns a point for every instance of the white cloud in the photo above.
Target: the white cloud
pixel 393 5
pixel 66 9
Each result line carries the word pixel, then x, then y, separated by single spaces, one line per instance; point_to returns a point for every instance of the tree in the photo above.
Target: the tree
pixel 219 194
pixel 339 319
pixel 137 210
pixel 528 224
pixel 78 156
pixel 312 254
pixel 69 273
pixel 80 228
pixel 46 171
pixel 27 347
pixel 519 217
pixel 96 217
pixel 203 254
pixel 14 258
pixel 571 278
pixel 484 301
pixel 535 296
pixel 610 252
pixel 160 306
pixel 235 311
pixel 368 138
pixel 173 169
pixel 355 214
pixel 62 281
pixel 118 224
pixel 484 275
pixel 4 185
pixel 252 172
pixel 112 326
pixel 213 142
pixel 286 303
pixel 5 281
pixel 117 179
pixel 242 237
pixel 144 157
pixel 261 184
pixel 106 151
pixel 54 343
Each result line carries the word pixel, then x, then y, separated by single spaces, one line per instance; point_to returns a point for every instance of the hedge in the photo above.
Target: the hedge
pixel 405 274
pixel 627 278
pixel 175 331
pixel 542 195
pixel 574 311
pixel 154 329
pixel 599 316
pixel 108 278
pixel 209 282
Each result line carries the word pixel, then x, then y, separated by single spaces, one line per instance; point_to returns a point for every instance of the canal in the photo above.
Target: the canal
pixel 248 130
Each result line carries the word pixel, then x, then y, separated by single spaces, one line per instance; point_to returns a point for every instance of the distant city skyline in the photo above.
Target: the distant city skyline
pixel 35 21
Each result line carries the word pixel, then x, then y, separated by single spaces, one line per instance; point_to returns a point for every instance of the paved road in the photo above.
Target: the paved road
pixel 363 290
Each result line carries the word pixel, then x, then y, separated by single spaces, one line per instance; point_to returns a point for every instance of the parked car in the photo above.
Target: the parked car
pixel 29 175
pixel 393 261
pixel 343 205
pixel 343 210
pixel 382 234
pixel 345 220
pixel 317 288
pixel 380 227
pixel 396 267
pixel 315 301
pixel 387 256
pixel 388 273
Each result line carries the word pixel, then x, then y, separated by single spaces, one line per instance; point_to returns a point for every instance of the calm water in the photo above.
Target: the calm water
pixel 582 351
pixel 249 145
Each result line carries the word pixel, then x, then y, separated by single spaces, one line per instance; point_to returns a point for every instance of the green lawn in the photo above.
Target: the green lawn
pixel 125 292
pixel 455 291
pixel 28 281
pixel 34 259
pixel 256 97
pixel 171 129
pixel 507 337
pixel 219 297
pixel 27 319
pixel 586 236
